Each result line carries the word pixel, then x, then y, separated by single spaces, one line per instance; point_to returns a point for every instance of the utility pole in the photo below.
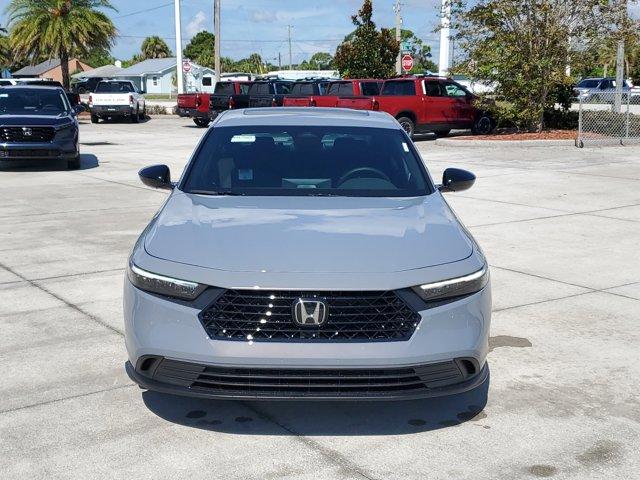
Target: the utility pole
pixel 179 74
pixel 619 76
pixel 445 38
pixel 279 61
pixel 216 55
pixel 397 9
pixel 290 56
pixel 622 29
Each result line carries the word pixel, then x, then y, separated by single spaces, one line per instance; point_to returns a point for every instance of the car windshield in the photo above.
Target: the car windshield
pixel 589 83
pixel 224 88
pixel 307 161
pixel 114 87
pixel 33 101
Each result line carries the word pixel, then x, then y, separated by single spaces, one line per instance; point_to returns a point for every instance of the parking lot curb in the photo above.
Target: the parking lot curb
pixel 452 142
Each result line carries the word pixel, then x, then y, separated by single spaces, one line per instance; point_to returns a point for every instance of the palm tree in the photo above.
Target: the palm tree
pixel 155 47
pixel 59 29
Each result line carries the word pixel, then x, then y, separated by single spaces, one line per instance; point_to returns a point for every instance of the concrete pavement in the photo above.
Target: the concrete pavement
pixel 560 227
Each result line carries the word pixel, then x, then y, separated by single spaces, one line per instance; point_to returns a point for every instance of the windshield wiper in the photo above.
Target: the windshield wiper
pixel 215 192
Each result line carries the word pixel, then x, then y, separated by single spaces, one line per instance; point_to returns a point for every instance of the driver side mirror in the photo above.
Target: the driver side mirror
pixel 156 176
pixel 456 180
pixel 79 108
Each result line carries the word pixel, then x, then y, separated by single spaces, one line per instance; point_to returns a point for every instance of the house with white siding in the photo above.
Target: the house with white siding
pixel 158 76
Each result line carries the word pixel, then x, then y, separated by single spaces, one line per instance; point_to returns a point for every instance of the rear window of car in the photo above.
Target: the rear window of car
pixel 260 89
pixel 340 88
pixel 224 88
pixel 399 88
pixel 589 83
pixel 114 87
pixel 370 88
pixel 302 89
pixel 307 161
pixel 283 88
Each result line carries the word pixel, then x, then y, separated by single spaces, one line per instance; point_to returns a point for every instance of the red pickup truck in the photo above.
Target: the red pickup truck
pixel 195 106
pixel 426 104
pixel 336 90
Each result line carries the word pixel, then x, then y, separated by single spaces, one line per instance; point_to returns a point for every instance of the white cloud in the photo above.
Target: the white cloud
pixel 197 24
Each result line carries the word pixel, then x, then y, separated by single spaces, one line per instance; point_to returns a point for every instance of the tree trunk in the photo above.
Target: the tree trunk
pixel 64 65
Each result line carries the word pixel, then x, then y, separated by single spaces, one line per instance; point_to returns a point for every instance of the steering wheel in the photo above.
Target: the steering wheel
pixel 355 172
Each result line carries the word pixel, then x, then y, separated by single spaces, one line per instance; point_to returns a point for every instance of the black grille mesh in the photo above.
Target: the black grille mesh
pixel 20 134
pixel 267 316
pixel 301 382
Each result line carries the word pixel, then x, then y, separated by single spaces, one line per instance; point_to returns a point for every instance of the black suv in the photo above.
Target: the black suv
pixel 38 123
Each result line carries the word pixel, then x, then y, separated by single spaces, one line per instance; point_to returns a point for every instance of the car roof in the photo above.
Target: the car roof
pixel 31 87
pixel 288 116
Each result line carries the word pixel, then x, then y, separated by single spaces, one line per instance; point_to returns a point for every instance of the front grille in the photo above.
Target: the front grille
pixel 28 153
pixel 268 316
pixel 26 134
pixel 309 382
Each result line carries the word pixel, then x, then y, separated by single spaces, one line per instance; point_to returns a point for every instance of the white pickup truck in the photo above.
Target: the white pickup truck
pixel 117 98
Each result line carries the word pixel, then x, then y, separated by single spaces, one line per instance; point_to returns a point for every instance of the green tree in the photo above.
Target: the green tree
pixel 321 61
pixel 369 52
pixel 59 28
pixel 420 52
pixel 98 57
pixel 201 49
pixel 155 47
pixel 5 51
pixel 524 46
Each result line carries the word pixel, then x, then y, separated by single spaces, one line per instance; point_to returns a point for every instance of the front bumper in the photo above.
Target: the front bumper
pixel 56 150
pixel 412 382
pixel 112 110
pixel 170 330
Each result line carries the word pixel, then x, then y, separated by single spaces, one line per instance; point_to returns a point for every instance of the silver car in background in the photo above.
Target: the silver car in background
pixel 306 253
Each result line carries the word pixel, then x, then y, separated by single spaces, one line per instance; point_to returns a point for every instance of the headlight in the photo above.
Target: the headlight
pixel 454 287
pixel 171 287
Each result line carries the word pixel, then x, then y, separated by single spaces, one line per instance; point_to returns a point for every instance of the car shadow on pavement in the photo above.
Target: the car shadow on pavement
pixel 321 418
pixel 87 161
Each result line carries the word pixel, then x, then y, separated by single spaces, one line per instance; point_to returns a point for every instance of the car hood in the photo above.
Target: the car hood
pixel 307 234
pixel 34 120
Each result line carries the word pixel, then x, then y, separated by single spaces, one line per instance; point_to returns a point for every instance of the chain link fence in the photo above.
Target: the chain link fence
pixel 609 118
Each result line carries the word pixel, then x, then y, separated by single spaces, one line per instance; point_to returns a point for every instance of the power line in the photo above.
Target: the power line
pixel 299 40
pixel 143 11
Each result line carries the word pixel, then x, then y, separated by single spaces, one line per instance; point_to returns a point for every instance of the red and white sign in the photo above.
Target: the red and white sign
pixel 186 66
pixel 407 62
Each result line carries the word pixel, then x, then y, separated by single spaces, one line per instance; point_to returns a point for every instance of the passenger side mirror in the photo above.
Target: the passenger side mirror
pixel 79 108
pixel 456 180
pixel 156 176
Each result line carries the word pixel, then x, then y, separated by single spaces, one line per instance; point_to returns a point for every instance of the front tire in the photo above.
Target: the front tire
pixel 407 125
pixel 201 122
pixel 74 163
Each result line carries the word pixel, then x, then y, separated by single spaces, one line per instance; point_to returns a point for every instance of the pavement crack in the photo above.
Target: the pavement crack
pixel 71 397
pixel 333 456
pixel 63 300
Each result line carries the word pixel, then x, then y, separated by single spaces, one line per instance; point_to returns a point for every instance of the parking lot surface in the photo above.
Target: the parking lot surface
pixel 560 227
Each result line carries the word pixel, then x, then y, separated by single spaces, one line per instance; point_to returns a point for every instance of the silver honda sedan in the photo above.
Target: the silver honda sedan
pixel 306 253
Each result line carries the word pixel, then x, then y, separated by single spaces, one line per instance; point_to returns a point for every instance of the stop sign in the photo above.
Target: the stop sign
pixel 186 66
pixel 407 62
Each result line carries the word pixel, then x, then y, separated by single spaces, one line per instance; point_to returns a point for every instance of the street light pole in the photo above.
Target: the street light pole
pixel 179 75
pixel 445 38
pixel 397 8
pixel 216 55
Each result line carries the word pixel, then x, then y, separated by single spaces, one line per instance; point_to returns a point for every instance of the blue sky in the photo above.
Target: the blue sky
pixel 261 25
